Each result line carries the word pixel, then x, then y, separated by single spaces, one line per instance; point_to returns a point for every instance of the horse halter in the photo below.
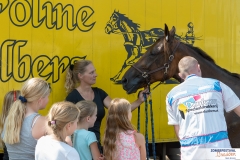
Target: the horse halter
pixel 112 25
pixel 166 65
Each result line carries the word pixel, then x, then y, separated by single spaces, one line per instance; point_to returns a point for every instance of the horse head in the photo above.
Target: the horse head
pixel 159 63
pixel 113 23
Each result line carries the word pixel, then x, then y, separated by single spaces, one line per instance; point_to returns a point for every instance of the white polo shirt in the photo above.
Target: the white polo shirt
pixel 197 106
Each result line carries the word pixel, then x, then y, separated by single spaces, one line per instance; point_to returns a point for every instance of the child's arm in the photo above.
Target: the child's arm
pixel 95 151
pixel 140 141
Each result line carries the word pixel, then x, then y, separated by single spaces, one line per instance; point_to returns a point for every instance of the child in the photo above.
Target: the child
pixel 120 139
pixel 62 122
pixel 84 141
pixel 23 125
pixel 9 98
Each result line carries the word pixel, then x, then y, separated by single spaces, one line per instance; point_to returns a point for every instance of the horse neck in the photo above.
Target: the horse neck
pixel 212 70
pixel 128 32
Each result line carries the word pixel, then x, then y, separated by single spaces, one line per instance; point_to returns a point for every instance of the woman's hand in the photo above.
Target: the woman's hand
pixel 140 95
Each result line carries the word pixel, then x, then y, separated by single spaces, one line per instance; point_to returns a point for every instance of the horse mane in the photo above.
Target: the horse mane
pixel 210 59
pixel 129 21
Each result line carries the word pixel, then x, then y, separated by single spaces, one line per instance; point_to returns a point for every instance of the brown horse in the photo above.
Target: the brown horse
pixel 160 63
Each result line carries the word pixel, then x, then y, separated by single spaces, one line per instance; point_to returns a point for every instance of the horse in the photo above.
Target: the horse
pixel 160 63
pixel 136 41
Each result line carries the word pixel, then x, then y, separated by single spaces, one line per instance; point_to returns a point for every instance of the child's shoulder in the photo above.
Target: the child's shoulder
pixel 138 137
pixel 84 133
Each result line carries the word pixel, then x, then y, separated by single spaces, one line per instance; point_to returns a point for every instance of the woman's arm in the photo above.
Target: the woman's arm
pixel 95 151
pixel 140 99
pixel 140 141
pixel 107 102
pixel 135 104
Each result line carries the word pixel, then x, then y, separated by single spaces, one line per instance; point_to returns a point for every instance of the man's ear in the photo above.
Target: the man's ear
pixel 182 76
pixel 199 68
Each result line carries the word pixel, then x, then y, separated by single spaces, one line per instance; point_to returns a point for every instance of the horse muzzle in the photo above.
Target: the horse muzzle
pixel 108 29
pixel 130 86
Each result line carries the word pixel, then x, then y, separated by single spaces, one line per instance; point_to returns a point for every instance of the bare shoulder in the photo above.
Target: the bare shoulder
pixel 139 138
pixel 39 120
pixel 39 126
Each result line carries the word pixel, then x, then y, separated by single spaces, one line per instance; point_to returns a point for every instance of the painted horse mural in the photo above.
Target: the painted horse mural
pixel 160 63
pixel 136 41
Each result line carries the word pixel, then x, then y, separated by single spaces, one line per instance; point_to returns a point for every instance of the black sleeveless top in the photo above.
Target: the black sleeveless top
pixel 99 96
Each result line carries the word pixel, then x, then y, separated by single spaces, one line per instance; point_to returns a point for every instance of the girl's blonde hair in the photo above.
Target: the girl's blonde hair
pixel 9 98
pixel 60 114
pixel 117 121
pixel 72 73
pixel 87 108
pixel 32 90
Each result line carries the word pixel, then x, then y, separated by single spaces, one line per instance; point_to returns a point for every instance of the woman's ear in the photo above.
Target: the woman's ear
pixel 80 76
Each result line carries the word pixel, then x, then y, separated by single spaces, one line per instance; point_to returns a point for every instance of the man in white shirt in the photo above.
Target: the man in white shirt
pixel 196 109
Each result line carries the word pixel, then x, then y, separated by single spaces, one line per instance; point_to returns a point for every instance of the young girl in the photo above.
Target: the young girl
pixel 9 98
pixel 120 139
pixel 23 125
pixel 62 122
pixel 84 141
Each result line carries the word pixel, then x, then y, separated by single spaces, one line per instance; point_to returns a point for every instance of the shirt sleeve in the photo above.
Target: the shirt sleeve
pixel 172 120
pixel 73 155
pixel 91 137
pixel 102 93
pixel 230 99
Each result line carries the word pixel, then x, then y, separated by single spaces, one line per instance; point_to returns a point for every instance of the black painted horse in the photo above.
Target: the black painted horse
pixel 160 63
pixel 137 41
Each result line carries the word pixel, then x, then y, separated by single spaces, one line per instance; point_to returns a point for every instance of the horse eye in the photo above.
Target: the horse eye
pixel 153 53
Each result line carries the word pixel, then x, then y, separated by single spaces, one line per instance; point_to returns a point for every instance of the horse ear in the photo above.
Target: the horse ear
pixel 172 32
pixel 166 32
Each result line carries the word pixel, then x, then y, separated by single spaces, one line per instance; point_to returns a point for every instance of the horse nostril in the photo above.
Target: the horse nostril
pixel 124 81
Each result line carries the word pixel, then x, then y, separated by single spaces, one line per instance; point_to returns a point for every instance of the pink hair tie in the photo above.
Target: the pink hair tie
pixel 53 122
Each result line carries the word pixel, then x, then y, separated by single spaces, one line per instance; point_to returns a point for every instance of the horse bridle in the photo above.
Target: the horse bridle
pixel 112 25
pixel 166 65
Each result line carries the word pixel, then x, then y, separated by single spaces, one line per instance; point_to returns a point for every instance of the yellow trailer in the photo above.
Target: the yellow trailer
pixel 41 38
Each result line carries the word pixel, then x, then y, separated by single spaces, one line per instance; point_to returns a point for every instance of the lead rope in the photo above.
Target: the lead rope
pixel 146 122
pixel 152 123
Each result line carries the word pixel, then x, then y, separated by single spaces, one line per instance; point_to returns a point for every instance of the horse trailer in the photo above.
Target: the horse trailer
pixel 41 38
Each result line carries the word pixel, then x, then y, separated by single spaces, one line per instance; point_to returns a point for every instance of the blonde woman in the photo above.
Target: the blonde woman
pixel 23 125
pixel 121 141
pixel 62 122
pixel 9 98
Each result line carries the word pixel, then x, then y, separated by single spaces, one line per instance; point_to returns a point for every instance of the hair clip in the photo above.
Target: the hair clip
pixel 71 66
pixel 14 95
pixel 23 99
pixel 53 122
